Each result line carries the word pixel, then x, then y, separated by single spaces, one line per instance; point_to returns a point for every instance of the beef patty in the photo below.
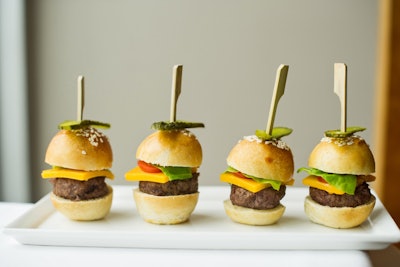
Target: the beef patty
pixel 171 188
pixel 362 195
pixel 80 190
pixel 268 198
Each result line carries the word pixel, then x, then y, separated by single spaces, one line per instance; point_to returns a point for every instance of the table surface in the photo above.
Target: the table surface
pixel 15 254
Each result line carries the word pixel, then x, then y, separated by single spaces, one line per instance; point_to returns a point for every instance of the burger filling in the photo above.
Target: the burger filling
pixel 174 187
pixel 338 190
pixel 80 190
pixel 164 180
pixel 267 198
pixel 252 192
pixel 267 182
pixel 361 196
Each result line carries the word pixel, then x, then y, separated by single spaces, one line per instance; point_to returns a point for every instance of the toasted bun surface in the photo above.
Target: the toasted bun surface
pixel 343 155
pixel 252 216
pixel 165 209
pixel 344 217
pixel 171 148
pixel 268 159
pixel 84 149
pixel 85 210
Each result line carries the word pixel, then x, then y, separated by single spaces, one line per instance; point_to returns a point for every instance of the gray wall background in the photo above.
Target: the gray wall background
pixel 230 51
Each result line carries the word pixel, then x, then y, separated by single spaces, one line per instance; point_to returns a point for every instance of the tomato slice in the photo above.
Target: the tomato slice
pixel 147 167
pixel 320 179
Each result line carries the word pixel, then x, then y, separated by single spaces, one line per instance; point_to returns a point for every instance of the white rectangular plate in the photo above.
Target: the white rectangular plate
pixel 208 227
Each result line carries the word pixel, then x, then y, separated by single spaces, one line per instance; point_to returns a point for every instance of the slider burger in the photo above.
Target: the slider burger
pixel 259 168
pixel 340 168
pixel 167 171
pixel 81 157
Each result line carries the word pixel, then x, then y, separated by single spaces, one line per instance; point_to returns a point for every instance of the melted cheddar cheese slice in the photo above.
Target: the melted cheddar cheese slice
pixel 246 183
pixel 136 174
pixel 313 181
pixel 75 174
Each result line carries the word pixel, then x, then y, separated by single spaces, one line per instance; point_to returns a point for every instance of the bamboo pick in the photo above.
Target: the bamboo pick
pixel 279 89
pixel 81 97
pixel 176 90
pixel 340 88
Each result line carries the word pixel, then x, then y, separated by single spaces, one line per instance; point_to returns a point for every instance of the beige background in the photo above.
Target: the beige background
pixel 230 51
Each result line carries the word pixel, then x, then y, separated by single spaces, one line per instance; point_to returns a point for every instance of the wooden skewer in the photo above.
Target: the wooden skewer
pixel 280 83
pixel 340 88
pixel 176 90
pixel 81 97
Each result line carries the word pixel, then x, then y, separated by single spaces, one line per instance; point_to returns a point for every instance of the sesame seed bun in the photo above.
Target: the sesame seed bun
pixel 350 155
pixel 84 149
pixel 171 148
pixel 263 159
pixel 271 160
pixel 179 148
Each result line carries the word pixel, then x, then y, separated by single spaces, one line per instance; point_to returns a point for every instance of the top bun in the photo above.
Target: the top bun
pixel 263 159
pixel 84 149
pixel 350 155
pixel 171 148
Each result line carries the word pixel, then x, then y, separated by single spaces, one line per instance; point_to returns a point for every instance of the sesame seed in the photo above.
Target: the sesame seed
pixel 187 133
pixel 93 136
pixel 275 142
pixel 346 141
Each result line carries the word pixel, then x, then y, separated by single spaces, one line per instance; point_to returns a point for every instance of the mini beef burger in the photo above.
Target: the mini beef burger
pixel 340 169
pixel 167 171
pixel 259 169
pixel 81 157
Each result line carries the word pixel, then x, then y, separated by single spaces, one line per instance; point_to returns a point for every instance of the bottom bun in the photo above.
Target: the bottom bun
pixel 341 217
pixel 165 209
pixel 252 216
pixel 84 210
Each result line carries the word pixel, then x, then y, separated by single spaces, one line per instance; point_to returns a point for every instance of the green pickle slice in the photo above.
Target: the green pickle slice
pixel 74 125
pixel 277 133
pixel 339 134
pixel 175 125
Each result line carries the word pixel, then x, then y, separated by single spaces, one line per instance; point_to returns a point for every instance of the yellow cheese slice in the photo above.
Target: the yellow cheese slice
pixel 313 181
pixel 136 174
pixel 246 183
pixel 75 174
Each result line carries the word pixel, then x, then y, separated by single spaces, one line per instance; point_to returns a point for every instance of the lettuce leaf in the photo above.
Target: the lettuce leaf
pixel 176 173
pixel 344 182
pixel 274 184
